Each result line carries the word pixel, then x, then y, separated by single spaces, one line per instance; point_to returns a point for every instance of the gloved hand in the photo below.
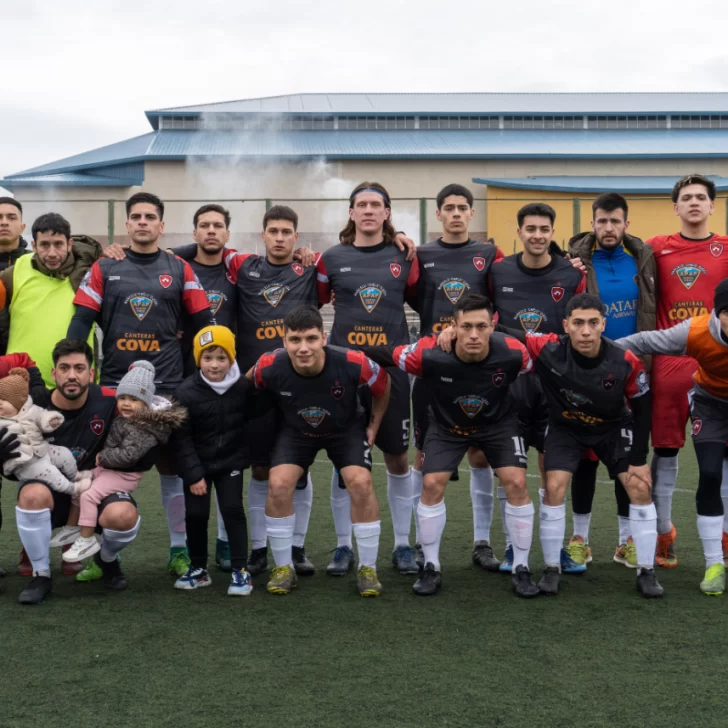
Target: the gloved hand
pixel 9 446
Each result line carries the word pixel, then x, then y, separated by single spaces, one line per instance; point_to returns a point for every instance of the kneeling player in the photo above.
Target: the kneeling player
pixel 316 388
pixel 470 406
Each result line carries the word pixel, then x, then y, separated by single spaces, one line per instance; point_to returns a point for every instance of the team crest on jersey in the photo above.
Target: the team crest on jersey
pixel 274 294
pixel 166 280
pixel 370 296
pixel 297 268
pixel 79 454
pixel 499 378
pixel 313 416
pixel 453 288
pixel 471 404
pixel 557 293
pixel 337 391
pixel 215 299
pixel 608 383
pixel 716 249
pixel 697 426
pixel 140 305
pixel 97 426
pixel 396 269
pixel 479 263
pixel 530 319
pixel 688 273
pixel 574 398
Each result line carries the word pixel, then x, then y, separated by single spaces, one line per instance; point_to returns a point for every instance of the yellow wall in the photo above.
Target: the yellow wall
pixel 648 214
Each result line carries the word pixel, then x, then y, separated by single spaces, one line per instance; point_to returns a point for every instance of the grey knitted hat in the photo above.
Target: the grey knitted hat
pixel 138 382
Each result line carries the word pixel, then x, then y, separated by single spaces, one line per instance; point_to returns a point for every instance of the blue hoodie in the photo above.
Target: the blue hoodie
pixel 616 272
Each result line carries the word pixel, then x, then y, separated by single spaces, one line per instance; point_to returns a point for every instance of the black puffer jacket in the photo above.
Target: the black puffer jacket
pixel 211 440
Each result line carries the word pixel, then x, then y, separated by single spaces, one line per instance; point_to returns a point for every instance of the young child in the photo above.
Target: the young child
pixel 37 459
pixel 143 423
pixel 209 446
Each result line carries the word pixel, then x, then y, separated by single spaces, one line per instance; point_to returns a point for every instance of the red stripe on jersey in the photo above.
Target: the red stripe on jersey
pixel 194 299
pixel 265 361
pixel 323 288
pixel 499 255
pixel 535 343
pixel 91 291
pixel 234 261
pixel 581 288
pixel 526 363
pixel 409 357
pixel 371 374
pixel 636 384
pixel 413 277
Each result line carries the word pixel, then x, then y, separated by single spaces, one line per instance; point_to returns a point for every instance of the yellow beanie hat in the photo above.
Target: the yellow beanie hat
pixel 212 336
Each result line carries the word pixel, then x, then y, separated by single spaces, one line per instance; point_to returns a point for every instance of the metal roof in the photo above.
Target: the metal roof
pixel 597 185
pixel 69 179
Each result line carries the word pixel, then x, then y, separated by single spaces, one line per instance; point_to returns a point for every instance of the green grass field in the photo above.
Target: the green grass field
pixel 597 655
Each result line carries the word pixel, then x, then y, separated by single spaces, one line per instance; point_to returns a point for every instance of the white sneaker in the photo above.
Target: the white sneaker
pixel 67 534
pixel 82 548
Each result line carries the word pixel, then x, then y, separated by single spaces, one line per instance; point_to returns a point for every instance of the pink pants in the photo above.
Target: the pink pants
pixel 106 482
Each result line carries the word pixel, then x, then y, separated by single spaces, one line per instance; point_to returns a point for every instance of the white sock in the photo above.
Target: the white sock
pixel 643 526
pixel 520 526
pixel 710 529
pixel 115 541
pixel 664 477
pixel 34 529
pixel 257 496
pixel 581 525
pixel 724 494
pixel 432 524
pixel 541 494
pixel 280 537
pixel 481 496
pixel 173 500
pixel 221 532
pixel 502 501
pixel 552 529
pixel 302 501
pixel 341 510
pixel 417 479
pixel 367 542
pixel 624 529
pixel 399 495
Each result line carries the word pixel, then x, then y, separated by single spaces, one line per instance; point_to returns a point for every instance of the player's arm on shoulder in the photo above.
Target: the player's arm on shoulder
pixel 412 278
pixel 305 256
pixel 672 341
pixel 405 244
pixel 323 285
pixel 526 361
pixel 258 374
pixel 89 299
pixel 409 357
pixel 234 261
pixel 535 343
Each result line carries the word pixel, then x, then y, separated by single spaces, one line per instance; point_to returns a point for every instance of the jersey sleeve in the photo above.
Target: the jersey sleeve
pixel 323 287
pixel 409 357
pixel 91 291
pixel 412 279
pixel 370 374
pixel 499 254
pixel 536 342
pixel 526 361
pixel 262 370
pixel 233 261
pixel 193 297
pixel 636 384
pixel 581 288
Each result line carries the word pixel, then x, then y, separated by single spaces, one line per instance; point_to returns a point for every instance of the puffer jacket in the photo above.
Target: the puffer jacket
pixel 132 444
pixel 8 258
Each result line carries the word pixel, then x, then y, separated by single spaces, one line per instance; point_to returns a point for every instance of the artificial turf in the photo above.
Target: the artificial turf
pixel 475 655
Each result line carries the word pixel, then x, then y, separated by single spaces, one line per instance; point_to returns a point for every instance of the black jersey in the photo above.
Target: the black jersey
pixel 447 273
pixel 266 292
pixel 583 392
pixel 84 430
pixel 466 396
pixel 370 285
pixel 534 299
pixel 141 300
pixel 324 404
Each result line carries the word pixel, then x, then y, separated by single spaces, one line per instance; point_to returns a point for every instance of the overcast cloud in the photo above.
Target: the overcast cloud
pixel 79 75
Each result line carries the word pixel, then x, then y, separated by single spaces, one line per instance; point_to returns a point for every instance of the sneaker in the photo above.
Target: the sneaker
pixel 25 568
pixel 429 583
pixel 258 561
pixel 179 560
pixel 665 554
pixel 576 553
pixel 65 536
pixel 82 548
pixel 222 555
pixel 484 557
pixel 725 547
pixel 301 562
pixel 36 591
pixel 626 554
pixel 283 580
pixel 403 559
pixel 714 582
pixel 241 585
pixel 70 568
pixel 342 561
pixel 367 582
pixel 419 556
pixel 647 584
pixel 111 573
pixel 506 566
pixel 194 578
pixel 91 570
pixel 523 583
pixel 549 584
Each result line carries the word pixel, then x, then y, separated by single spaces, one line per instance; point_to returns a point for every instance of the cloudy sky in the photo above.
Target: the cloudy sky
pixel 79 75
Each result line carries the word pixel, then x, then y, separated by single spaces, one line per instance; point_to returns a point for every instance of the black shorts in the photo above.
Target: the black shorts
pixel 565 447
pixel 709 417
pixel 344 449
pixel 420 410
pixel 394 432
pixel 501 444
pixel 260 438
pixel 530 405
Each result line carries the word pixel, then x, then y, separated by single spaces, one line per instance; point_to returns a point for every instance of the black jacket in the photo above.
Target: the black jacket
pixel 9 258
pixel 211 439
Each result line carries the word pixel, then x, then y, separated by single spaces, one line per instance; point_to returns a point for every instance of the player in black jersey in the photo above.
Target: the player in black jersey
pixel 139 303
pixel 317 391
pixel 452 267
pixel 370 278
pixel 88 411
pixel 530 291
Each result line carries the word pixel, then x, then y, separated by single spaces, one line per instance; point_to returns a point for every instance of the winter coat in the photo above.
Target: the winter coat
pixel 8 258
pixel 132 444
